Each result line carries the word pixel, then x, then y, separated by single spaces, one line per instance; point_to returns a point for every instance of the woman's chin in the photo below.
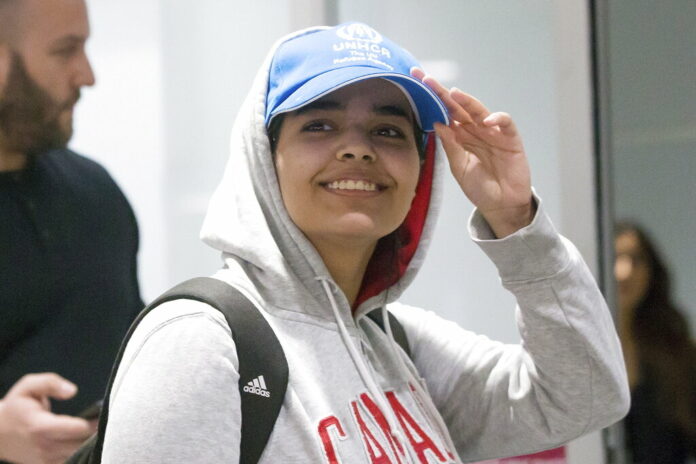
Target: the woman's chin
pixel 355 235
pixel 360 226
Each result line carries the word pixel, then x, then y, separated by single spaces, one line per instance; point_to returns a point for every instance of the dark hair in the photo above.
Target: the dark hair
pixel 274 131
pixel 665 350
pixel 277 123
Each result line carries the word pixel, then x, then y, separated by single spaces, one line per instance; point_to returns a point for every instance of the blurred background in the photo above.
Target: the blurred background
pixel 602 91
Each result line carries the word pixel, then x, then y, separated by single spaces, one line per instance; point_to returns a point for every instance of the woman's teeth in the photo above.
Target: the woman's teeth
pixel 352 185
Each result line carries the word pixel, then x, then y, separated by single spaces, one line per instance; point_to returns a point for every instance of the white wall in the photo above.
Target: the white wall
pixel 211 53
pixel 120 121
pixel 172 75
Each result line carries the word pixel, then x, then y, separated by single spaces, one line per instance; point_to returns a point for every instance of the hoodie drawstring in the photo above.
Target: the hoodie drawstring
pixel 424 398
pixel 365 374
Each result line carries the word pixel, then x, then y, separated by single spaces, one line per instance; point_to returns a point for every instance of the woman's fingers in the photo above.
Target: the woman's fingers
pixel 456 112
pixel 418 73
pixel 503 121
pixel 471 121
pixel 461 106
pixel 457 155
pixel 473 107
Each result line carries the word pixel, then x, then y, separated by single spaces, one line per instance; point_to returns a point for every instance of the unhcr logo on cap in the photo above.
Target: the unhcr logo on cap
pixel 361 43
pixel 359 32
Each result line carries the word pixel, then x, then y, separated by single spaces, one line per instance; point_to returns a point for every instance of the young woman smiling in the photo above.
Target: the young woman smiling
pixel 323 216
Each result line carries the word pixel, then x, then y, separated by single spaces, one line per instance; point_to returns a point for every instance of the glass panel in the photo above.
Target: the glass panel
pixel 647 64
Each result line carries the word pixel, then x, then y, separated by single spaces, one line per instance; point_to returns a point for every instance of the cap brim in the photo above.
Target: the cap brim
pixel 427 107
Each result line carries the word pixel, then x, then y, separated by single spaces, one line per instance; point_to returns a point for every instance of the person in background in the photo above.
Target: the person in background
pixel 68 239
pixel 660 355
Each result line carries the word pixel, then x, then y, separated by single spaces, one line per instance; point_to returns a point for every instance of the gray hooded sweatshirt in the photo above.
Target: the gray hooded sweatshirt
pixel 353 395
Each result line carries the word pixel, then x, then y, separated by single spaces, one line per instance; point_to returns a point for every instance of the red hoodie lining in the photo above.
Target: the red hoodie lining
pixel 395 251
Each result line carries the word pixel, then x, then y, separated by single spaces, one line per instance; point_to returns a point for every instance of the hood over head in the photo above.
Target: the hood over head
pixel 246 217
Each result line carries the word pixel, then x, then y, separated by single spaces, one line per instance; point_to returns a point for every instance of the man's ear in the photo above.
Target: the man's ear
pixel 5 65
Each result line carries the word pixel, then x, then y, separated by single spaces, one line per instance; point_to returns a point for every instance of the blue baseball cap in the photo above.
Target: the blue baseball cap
pixel 311 65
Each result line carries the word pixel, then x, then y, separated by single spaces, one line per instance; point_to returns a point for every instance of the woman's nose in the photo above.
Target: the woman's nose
pixel 349 155
pixel 356 146
pixel 623 268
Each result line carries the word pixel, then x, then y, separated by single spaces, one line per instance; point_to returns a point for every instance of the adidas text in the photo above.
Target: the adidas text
pixel 257 391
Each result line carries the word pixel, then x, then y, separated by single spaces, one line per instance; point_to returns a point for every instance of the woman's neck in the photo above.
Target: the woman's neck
pixel 625 319
pixel 628 343
pixel 346 263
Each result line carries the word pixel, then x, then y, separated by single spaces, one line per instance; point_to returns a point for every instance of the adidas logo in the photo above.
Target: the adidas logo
pixel 257 387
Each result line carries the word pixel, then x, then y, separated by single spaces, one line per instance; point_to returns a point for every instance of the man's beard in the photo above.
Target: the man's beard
pixel 29 117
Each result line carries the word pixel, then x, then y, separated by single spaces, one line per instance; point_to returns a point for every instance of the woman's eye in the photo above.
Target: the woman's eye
pixel 317 126
pixel 389 132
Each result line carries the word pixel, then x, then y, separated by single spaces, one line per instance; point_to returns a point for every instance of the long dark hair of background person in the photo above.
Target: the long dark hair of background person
pixel 661 425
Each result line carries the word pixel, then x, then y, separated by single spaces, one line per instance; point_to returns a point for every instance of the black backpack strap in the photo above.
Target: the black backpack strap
pixel 396 328
pixel 260 354
pixel 261 361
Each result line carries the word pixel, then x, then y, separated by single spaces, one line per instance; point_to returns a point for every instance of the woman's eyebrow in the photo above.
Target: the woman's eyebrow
pixel 320 105
pixel 392 110
pixel 333 105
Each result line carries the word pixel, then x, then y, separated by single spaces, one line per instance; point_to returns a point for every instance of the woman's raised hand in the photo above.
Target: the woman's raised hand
pixel 486 157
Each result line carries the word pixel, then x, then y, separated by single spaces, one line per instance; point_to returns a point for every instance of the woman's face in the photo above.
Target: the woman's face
pixel 348 164
pixel 631 270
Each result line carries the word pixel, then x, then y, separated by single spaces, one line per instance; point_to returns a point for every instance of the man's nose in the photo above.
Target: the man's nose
pixel 84 75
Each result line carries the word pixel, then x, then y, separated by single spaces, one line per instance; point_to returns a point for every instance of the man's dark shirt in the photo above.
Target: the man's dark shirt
pixel 68 282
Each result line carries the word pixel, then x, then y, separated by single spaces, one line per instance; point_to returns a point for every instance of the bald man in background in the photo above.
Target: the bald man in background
pixel 68 239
